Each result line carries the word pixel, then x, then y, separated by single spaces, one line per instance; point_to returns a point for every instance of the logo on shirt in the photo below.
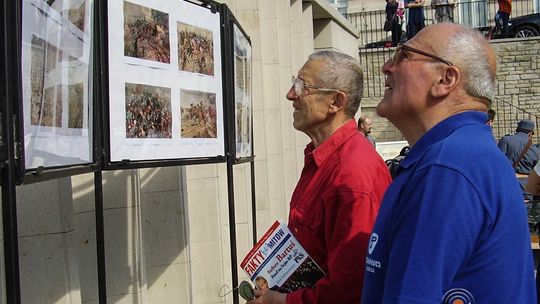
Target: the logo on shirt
pixel 373 242
pixel 458 296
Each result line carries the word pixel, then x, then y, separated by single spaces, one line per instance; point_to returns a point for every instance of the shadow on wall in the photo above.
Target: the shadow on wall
pixel 145 238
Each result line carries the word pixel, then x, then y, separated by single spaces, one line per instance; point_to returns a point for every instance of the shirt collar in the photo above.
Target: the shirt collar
pixel 327 148
pixel 439 132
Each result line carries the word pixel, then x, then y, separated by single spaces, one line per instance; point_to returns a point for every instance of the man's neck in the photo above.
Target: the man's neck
pixel 324 131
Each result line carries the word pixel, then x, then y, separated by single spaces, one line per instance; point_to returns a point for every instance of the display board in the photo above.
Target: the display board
pixel 57 82
pixel 242 93
pixel 165 81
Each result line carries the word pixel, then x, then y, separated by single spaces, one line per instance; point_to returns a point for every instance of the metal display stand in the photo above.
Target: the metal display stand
pixel 231 139
pixel 10 12
pixel 12 154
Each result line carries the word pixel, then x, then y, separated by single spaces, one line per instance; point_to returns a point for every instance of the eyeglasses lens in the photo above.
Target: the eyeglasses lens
pixel 397 54
pixel 298 86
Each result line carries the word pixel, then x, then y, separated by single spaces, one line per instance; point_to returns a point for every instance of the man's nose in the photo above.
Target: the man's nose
pixel 291 95
pixel 387 66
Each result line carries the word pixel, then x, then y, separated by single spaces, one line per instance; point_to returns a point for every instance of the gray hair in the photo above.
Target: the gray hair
pixel 467 49
pixel 342 72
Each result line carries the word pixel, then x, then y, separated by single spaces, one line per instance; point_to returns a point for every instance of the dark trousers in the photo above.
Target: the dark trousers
pixel 501 22
pixel 396 32
pixel 413 28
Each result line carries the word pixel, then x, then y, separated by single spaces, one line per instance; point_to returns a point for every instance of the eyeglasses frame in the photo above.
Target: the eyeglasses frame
pixel 307 86
pixel 417 51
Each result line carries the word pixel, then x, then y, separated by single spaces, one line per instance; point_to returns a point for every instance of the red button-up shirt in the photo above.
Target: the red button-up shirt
pixel 333 210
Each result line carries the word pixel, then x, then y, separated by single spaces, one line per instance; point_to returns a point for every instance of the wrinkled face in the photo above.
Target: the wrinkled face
pixel 409 76
pixel 312 104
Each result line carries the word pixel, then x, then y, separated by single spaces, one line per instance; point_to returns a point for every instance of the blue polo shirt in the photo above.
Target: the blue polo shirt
pixel 452 225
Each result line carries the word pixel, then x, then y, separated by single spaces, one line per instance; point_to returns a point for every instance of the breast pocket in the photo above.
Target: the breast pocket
pixel 308 220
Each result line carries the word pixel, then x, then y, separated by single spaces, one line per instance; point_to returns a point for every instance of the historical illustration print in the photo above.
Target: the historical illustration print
pixel 76 15
pixel 195 49
pixel 198 114
pixel 242 93
pixel 43 101
pixel 47 111
pixel 148 111
pixel 76 106
pixel 146 33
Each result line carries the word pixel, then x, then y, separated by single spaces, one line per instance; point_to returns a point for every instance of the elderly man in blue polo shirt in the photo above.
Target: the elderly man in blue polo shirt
pixel 452 227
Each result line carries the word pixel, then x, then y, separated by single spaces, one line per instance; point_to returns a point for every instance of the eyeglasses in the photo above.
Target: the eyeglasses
pixel 300 86
pixel 399 53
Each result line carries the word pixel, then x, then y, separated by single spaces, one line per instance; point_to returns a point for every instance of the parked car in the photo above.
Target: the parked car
pixel 521 27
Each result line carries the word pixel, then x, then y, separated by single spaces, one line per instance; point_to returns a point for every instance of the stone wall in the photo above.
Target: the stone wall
pixel 518 86
pixel 518 83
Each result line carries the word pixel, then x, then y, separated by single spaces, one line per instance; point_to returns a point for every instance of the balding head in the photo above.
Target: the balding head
pixel 467 49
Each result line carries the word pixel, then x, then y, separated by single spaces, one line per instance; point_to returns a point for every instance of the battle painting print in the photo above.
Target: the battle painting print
pixel 146 33
pixel 76 110
pixel 195 49
pixel 198 114
pixel 148 111
pixel 42 100
pixel 44 110
pixel 76 15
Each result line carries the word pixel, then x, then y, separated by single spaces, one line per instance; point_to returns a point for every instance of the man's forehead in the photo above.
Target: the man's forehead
pixel 432 37
pixel 310 68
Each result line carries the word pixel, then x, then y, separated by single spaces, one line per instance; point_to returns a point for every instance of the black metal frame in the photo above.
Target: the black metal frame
pixel 13 173
pixel 42 173
pixel 10 25
pixel 134 164
pixel 232 127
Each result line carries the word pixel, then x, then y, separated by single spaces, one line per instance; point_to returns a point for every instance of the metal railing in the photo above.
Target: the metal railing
pixel 372 60
pixel 478 14
pixel 507 115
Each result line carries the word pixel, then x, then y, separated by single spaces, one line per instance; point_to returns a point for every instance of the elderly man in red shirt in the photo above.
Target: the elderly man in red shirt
pixel 336 200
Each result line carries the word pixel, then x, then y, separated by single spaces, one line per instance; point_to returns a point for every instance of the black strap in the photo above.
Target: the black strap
pixel 527 146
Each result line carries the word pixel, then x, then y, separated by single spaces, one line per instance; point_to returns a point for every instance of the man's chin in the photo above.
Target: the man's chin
pixel 381 109
pixel 296 126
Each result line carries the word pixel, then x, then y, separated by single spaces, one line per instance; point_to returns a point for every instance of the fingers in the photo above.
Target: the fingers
pixel 258 292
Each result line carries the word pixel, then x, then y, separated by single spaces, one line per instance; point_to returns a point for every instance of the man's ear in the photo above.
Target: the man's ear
pixel 446 82
pixel 338 103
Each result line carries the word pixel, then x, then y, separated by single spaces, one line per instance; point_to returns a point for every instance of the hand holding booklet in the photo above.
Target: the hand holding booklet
pixel 279 262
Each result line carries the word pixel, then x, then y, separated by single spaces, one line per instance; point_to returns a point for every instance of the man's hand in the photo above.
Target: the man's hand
pixel 268 297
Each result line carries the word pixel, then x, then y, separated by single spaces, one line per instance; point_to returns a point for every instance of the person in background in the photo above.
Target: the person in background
pixel 491 117
pixel 503 15
pixel 444 10
pixel 453 220
pixel 521 152
pixel 415 21
pixel 518 148
pixel 336 200
pixel 392 7
pixel 365 124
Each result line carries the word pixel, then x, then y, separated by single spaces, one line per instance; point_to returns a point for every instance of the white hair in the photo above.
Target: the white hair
pixel 467 49
pixel 342 72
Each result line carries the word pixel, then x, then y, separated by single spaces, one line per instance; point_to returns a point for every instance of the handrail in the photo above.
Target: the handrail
pixel 507 115
pixel 477 13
